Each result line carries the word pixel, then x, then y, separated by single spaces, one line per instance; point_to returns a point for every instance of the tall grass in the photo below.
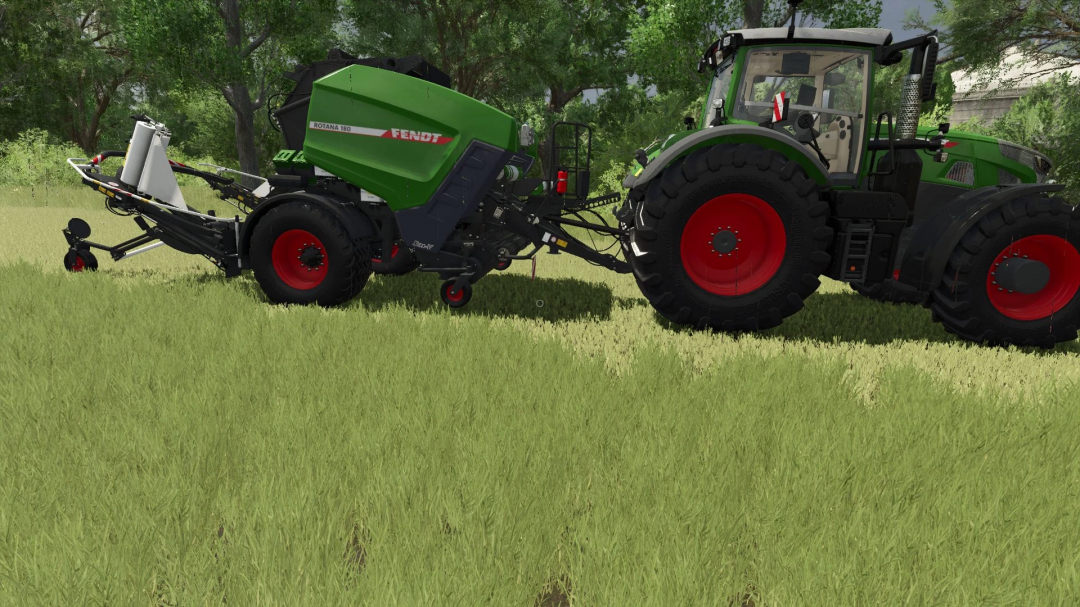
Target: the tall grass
pixel 171 438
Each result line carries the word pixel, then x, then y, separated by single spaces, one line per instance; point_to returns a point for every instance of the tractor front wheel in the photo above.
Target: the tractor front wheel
pixel 302 254
pixel 732 238
pixel 1014 278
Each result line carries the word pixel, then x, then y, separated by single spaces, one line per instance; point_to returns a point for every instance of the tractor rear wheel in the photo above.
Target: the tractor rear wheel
pixel 732 238
pixel 302 254
pixel 1014 278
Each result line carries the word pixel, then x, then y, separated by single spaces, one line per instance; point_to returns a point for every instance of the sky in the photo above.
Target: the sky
pixel 892 15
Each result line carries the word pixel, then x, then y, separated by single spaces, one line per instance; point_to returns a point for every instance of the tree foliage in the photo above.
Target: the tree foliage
pixel 64 67
pixel 979 32
pixel 236 47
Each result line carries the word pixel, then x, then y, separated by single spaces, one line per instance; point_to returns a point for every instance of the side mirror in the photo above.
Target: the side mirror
pixel 719 117
pixel 943 128
pixel 929 87
pixel 689 122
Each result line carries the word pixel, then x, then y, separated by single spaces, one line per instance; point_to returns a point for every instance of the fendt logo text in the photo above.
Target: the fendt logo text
pixel 399 134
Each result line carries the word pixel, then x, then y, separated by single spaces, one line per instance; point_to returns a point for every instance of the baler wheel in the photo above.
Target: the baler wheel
pixel 732 237
pixel 503 265
pixel 401 261
pixel 1014 278
pixel 455 300
pixel 302 254
pixel 79 260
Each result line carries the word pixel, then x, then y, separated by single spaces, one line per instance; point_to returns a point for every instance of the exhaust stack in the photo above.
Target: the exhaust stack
pixel 918 87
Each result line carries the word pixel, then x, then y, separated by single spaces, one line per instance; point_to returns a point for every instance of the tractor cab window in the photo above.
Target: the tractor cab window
pixel 829 84
pixel 719 89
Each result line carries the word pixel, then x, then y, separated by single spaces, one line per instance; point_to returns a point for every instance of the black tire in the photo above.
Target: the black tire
pixel 687 185
pixel 347 262
pixel 459 300
pixel 402 261
pixel 966 302
pixel 890 291
pixel 79 260
pixel 503 265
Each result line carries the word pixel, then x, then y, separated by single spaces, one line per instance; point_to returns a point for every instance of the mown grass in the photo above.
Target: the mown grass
pixel 171 438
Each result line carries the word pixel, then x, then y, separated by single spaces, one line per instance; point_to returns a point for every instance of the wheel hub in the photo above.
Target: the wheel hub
pixel 311 257
pixel 1022 275
pixel 725 241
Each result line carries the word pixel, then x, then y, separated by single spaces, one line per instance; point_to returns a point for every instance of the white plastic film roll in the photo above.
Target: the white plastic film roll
pixel 139 145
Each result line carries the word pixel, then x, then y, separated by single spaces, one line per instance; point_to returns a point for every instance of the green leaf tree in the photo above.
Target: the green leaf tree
pixel 238 48
pixel 64 65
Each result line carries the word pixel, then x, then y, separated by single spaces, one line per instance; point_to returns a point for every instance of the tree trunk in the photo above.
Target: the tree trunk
pixel 239 98
pixel 752 13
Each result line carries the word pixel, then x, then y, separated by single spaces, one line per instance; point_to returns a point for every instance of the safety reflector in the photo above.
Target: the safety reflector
pixel 778 107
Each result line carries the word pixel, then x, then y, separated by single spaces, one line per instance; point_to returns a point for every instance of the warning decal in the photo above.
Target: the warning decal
pixel 401 134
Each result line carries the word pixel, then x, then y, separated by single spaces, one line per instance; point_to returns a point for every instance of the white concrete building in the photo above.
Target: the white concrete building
pixel 996 98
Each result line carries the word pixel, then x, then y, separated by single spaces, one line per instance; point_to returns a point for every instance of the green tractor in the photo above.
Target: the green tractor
pixel 966 161
pixel 788 178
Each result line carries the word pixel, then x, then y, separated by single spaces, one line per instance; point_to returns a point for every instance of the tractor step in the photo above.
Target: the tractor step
pixel 856 252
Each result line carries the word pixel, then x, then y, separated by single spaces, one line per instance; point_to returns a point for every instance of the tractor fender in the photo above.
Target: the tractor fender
pixel 935 237
pixel 355 218
pixel 734 133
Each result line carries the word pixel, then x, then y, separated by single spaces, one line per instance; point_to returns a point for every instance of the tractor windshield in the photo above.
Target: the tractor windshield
pixel 829 84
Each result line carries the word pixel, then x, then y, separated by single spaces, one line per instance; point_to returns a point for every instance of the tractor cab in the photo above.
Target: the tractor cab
pixel 812 84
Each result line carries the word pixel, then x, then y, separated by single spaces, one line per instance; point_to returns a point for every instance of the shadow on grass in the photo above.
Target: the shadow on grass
pixel 507 295
pixel 849 318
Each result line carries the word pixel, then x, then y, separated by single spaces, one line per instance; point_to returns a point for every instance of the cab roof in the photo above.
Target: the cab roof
pixel 867 36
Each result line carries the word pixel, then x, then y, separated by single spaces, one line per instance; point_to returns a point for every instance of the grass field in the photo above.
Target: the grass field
pixel 170 438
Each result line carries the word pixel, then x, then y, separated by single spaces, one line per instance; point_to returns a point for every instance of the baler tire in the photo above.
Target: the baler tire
pixel 964 302
pixel 890 291
pixel 347 261
pixel 400 263
pixel 776 199
pixel 79 260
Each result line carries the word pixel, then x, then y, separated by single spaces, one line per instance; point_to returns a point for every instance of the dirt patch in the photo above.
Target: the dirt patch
pixel 355 552
pixel 749 598
pixel 556 593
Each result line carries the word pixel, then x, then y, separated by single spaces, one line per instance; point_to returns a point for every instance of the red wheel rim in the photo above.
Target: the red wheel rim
pixel 393 254
pixel 451 296
pixel 756 237
pixel 300 259
pixel 1060 256
pixel 79 264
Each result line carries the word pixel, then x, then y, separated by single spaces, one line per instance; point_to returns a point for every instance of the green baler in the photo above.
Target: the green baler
pixel 400 137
